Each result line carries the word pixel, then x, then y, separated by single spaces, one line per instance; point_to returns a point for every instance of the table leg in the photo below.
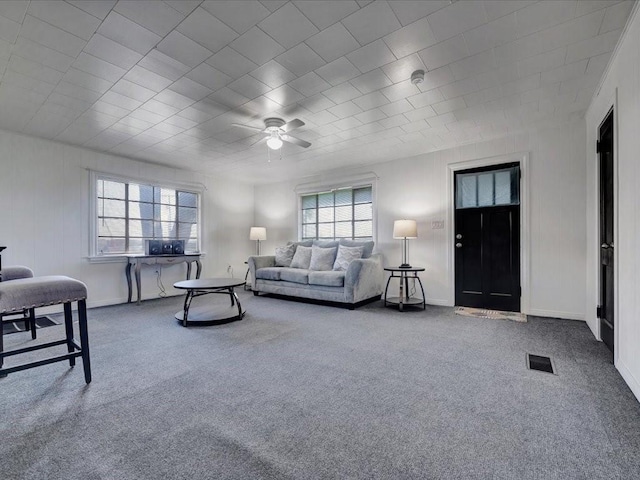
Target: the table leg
pixel 138 267
pixel 187 304
pixel 237 303
pixel 401 293
pixel 127 271
pixel 198 268
pixel 188 270
pixel 232 295
pixel 424 299
pixel 386 289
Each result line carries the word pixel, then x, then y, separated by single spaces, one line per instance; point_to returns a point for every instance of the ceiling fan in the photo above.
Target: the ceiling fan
pixel 277 131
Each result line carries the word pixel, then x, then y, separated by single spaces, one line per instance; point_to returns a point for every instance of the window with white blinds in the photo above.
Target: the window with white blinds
pixel 342 213
pixel 128 213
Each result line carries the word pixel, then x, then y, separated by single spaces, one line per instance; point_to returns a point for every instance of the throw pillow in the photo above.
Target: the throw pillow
pixel 284 255
pixel 368 246
pixel 302 257
pixel 322 258
pixel 346 255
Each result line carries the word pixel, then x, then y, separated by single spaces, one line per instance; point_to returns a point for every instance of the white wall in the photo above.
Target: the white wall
pixel 417 188
pixel 621 81
pixel 44 216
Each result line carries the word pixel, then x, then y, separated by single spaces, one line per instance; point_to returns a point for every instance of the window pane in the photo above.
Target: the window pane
pixel 113 189
pixel 141 210
pixel 187 230
pixel 141 193
pixel 164 230
pixel 466 191
pixel 503 187
pixel 363 229
pixel 309 216
pixel 165 213
pixel 325 214
pixel 344 197
pixel 309 201
pixel 191 245
pixel 325 230
pixel 111 245
pixel 187 214
pixel 164 195
pixel 136 245
pixel 325 199
pixel 141 228
pixel 344 213
pixel 111 208
pixel 363 195
pixel 344 230
pixel 485 189
pixel 363 211
pixel 111 227
pixel 187 199
pixel 309 231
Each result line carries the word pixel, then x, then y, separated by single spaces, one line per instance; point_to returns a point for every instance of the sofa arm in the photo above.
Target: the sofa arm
pixel 364 279
pixel 256 262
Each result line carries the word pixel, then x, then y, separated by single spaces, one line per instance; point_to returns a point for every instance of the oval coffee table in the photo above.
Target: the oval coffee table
pixel 214 314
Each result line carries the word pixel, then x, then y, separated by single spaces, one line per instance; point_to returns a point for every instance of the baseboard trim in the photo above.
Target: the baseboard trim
pixel 628 377
pixel 438 302
pixel 556 314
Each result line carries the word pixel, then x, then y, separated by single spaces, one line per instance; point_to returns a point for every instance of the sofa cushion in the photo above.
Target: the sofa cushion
pixel 322 258
pixel 295 275
pixel 366 251
pixel 302 257
pixel 284 255
pixel 346 255
pixel 269 273
pixel 328 279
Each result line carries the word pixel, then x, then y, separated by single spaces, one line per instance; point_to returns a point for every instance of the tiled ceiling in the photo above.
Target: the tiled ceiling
pixel 164 81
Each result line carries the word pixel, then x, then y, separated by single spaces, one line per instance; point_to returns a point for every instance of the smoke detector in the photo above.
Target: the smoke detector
pixel 417 77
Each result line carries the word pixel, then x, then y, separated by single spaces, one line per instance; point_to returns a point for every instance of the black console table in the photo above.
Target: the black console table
pixel 404 298
pixel 140 260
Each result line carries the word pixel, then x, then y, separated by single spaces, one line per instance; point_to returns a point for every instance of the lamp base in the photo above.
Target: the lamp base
pixel 405 265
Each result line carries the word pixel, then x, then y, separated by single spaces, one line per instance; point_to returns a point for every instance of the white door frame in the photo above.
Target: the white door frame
pixel 523 159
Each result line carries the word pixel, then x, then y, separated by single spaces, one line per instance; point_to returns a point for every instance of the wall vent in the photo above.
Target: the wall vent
pixel 540 363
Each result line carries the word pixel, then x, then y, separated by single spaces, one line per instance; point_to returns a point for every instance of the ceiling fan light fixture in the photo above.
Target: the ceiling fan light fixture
pixel 274 142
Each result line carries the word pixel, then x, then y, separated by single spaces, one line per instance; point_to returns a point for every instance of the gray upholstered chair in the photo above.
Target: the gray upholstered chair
pixel 17 272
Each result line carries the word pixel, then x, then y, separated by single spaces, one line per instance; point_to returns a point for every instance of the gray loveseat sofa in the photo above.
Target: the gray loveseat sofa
pixel 360 283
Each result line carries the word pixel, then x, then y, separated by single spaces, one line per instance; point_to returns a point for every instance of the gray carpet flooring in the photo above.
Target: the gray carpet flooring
pixel 299 391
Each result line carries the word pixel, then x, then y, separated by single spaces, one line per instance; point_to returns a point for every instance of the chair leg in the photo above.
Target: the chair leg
pixel 32 321
pixel 68 326
pixel 27 319
pixel 84 339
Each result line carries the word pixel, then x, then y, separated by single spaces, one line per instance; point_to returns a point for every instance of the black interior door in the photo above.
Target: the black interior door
pixel 487 243
pixel 606 310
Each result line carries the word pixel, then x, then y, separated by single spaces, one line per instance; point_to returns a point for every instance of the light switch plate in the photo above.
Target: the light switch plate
pixel 437 225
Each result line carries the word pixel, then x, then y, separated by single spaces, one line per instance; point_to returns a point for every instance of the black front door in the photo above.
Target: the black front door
pixel 487 238
pixel 605 147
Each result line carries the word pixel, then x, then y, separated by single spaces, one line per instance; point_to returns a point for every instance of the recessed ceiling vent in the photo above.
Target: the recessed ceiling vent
pixel 417 77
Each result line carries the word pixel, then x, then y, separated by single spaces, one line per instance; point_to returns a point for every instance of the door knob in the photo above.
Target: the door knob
pixel 459 236
pixel 604 245
pixel 458 245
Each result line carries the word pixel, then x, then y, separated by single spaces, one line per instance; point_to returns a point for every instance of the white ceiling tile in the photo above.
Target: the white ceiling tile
pixel 147 78
pixel 425 98
pixel 163 65
pixel 284 95
pixel 402 69
pixel 371 56
pixel 344 110
pixel 371 100
pixel 273 5
pixel 498 76
pixel 46 125
pixel 107 139
pixel 444 53
pixel 522 85
pixel 400 90
pixel 109 109
pixel 159 108
pixel 371 81
pixel 408 11
pixel 542 62
pixel 592 46
pixel 257 46
pixel 174 99
pixel 474 65
pixel 76 91
pixel 333 42
pixel 598 63
pixel 249 87
pixel 309 84
pixel 397 108
pixel 325 13
pixel 231 62
pixel 449 105
pixel 146 116
pixel 338 71
pixel 441 120
pixel 14 10
pixel 240 16
pixel 35 52
pixel 347 123
pixel 190 89
pixel 569 32
pixel 517 50
pixel 288 26
pixel 208 76
pixel 98 8
pixel 99 68
pixel 207 30
pixel 184 6
pixel 273 74
pixel 566 72
pixel 492 34
pixel 616 16
pixel 133 90
pixel 5 49
pixel 300 60
pixel 316 103
pixel 128 33
pixel 28 83
pixel 34 70
pixel 542 15
pixel 394 121
pixel 588 6
pixel 227 97
pixel 419 114
pixel 321 118
pixel 459 88
pixel 371 22
pixel 65 16
pixel 183 49
pixel 342 93
pixel 410 39
pixel 155 16
pixel 500 8
pixel 195 115
pixel 9 30
pixel 112 52
pixel 53 37
pixel 457 18
pixel 59 110
pixel 121 101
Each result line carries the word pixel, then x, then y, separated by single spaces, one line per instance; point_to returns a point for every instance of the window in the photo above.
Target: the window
pixel 484 188
pixel 128 213
pixel 343 213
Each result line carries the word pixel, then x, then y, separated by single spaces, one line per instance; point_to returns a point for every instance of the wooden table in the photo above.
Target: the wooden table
pixel 209 314
pixel 139 260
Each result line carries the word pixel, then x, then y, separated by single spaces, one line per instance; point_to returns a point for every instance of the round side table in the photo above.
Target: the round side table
pixel 404 299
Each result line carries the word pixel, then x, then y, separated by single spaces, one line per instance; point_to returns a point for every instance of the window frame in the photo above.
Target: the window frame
pixel 95 176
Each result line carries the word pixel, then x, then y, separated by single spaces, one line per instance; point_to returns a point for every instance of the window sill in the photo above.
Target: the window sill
pixel 122 258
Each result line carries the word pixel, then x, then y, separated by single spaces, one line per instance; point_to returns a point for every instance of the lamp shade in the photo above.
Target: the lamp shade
pixel 405 229
pixel 258 233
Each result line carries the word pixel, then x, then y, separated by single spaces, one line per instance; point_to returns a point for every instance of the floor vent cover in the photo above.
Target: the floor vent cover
pixel 540 363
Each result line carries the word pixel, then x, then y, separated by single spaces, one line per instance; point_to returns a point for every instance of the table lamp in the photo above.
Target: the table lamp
pixel 405 229
pixel 257 234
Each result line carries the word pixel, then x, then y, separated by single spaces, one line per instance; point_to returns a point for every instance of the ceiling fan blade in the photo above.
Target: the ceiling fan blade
pixel 247 127
pixel 295 141
pixel 292 125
